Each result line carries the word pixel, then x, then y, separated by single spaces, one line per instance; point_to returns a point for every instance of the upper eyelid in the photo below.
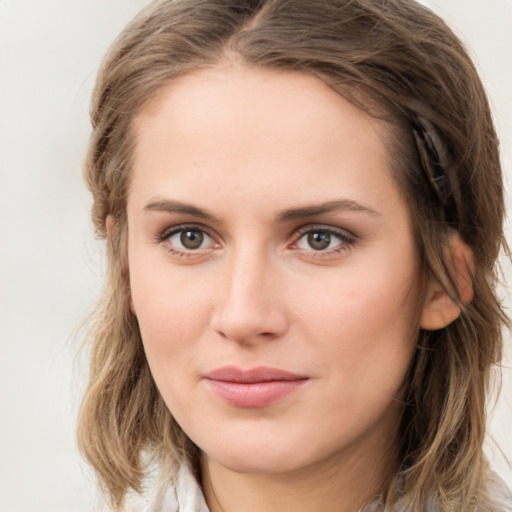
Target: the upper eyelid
pixel 172 230
pixel 324 227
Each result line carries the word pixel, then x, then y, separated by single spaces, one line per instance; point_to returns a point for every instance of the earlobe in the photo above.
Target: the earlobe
pixel 440 309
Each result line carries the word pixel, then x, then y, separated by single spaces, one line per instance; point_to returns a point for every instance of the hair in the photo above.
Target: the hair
pixel 394 59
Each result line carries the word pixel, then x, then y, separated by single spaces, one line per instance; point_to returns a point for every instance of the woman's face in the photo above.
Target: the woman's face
pixel 272 269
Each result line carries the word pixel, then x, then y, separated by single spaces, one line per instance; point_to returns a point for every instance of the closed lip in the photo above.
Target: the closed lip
pixel 254 388
pixel 252 375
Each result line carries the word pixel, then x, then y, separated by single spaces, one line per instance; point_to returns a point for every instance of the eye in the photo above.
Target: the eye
pixel 324 240
pixel 184 240
pixel 189 239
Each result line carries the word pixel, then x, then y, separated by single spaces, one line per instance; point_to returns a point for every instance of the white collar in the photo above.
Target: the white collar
pixel 185 495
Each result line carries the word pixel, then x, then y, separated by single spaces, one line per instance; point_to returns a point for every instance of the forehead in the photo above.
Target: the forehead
pixel 262 129
pixel 259 97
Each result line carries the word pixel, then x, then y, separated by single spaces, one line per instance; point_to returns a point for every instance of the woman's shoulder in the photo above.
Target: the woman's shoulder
pixel 185 495
pixel 182 494
pixel 500 495
pixel 497 497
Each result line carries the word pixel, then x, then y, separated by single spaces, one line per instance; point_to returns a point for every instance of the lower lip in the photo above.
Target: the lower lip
pixel 254 394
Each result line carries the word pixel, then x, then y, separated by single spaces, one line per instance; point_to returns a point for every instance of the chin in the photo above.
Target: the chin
pixel 259 458
pixel 256 463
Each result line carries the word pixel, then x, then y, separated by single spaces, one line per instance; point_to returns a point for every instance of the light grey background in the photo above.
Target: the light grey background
pixel 50 265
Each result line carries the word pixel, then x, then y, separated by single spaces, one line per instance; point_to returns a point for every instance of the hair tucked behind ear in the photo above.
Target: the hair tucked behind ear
pixel 396 60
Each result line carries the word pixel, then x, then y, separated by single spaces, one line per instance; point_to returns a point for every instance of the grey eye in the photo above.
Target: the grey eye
pixel 319 240
pixel 324 240
pixel 189 239
pixel 192 239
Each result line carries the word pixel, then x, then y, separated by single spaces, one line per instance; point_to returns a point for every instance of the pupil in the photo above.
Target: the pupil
pixel 192 239
pixel 319 240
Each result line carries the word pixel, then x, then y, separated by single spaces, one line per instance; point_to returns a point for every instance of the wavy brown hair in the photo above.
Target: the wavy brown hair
pixel 396 60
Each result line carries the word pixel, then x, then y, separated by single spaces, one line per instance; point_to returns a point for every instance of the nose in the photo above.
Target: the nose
pixel 250 303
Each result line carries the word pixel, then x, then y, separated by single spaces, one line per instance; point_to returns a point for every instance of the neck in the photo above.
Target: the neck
pixel 343 483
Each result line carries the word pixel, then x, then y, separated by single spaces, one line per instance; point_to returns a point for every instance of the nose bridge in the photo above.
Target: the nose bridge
pixel 249 305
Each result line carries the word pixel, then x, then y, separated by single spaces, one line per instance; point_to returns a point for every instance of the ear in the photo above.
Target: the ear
pixel 111 227
pixel 439 309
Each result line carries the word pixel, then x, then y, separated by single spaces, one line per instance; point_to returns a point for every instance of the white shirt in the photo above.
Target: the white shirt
pixel 186 496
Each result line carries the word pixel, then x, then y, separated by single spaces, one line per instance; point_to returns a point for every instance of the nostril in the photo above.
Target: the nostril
pixel 245 313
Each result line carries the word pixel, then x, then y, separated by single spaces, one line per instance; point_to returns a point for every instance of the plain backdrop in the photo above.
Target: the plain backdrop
pixel 50 264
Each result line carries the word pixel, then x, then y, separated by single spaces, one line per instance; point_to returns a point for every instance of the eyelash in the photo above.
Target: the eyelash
pixel 347 240
pixel 166 234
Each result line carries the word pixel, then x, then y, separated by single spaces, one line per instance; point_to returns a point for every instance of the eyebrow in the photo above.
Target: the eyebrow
pixel 173 206
pixel 327 207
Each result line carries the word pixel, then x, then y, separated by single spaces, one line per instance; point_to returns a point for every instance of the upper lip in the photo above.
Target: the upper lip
pixel 259 374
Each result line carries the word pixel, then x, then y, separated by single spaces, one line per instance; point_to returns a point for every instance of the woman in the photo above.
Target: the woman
pixel 300 308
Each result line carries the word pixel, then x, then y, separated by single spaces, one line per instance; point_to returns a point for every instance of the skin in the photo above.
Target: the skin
pixel 258 154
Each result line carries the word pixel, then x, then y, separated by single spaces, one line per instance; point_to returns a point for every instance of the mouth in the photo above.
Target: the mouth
pixel 254 388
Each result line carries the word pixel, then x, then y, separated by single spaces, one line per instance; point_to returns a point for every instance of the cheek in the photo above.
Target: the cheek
pixel 365 325
pixel 172 312
pixel 362 302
